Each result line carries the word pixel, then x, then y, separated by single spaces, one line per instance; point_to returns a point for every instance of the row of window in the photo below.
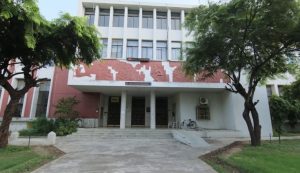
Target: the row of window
pixel 133 19
pixel 147 49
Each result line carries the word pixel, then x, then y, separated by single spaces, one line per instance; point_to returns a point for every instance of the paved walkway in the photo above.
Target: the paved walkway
pixel 113 151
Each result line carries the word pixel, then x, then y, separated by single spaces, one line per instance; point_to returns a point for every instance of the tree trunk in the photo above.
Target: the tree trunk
pixel 255 128
pixel 10 111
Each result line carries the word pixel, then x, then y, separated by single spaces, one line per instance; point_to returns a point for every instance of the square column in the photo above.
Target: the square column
pixel 124 53
pixel 140 32
pixel 123 110
pixel 110 25
pixel 154 34
pixel 169 48
pixel 96 19
pixel 152 110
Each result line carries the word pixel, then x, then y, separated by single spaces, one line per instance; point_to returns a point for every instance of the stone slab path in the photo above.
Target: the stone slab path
pixel 127 151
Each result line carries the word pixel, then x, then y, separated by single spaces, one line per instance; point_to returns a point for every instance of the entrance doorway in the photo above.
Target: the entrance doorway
pixel 138 111
pixel 114 110
pixel 161 107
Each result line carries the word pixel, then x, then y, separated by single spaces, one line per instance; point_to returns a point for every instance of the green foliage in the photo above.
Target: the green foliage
pixel 43 126
pixel 292 92
pixel 38 127
pixel 253 38
pixel 279 110
pixel 65 108
pixel 65 127
pixel 256 37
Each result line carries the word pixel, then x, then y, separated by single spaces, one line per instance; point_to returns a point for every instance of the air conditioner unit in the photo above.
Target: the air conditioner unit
pixel 203 101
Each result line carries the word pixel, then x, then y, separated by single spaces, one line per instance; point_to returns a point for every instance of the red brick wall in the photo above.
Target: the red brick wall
pixel 88 101
pixel 128 72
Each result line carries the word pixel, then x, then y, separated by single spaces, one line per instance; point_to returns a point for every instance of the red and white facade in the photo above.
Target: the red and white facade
pixel 140 82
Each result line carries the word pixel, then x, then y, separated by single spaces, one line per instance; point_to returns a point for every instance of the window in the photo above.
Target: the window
pixel 269 90
pixel 42 103
pixel 118 20
pixel 148 19
pixel 161 20
pixel 280 90
pixel 104 17
pixel 117 48
pixel 104 47
pixel 176 51
pixel 147 49
pixel 202 112
pixel 187 46
pixel 133 19
pixel 175 21
pixel 90 14
pixel 20 85
pixel 132 48
pixel 161 50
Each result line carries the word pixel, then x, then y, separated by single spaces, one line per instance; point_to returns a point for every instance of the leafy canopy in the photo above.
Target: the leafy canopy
pixel 27 39
pixel 258 37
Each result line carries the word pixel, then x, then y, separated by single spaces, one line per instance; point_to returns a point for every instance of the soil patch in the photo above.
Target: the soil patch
pixel 214 156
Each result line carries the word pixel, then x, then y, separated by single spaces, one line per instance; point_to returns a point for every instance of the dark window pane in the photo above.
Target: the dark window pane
pixel 133 19
pixel 118 19
pixel 117 48
pixel 132 48
pixel 42 103
pixel 147 19
pixel 104 17
pixel 161 50
pixel 90 14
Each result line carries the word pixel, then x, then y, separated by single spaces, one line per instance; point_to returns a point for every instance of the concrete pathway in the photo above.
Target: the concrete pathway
pixel 128 151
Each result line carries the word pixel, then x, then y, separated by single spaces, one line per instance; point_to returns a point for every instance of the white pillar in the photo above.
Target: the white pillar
pixel 96 19
pixel 152 110
pixel 123 110
pixel 140 32
pixel 183 32
pixel 276 90
pixel 154 34
pixel 124 56
pixel 110 25
pixel 169 36
pixel 33 106
pixel 182 20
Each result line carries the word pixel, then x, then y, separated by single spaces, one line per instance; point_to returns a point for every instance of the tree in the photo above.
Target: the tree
pixel 30 41
pixel 252 38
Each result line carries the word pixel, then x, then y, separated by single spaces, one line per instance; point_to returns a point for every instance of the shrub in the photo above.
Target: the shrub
pixel 65 127
pixel 42 126
pixel 38 127
pixel 65 108
pixel 280 110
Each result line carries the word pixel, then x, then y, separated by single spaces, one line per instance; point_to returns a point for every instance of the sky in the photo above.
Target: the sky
pixel 51 9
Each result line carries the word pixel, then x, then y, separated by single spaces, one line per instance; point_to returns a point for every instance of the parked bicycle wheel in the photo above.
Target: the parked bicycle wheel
pixel 193 125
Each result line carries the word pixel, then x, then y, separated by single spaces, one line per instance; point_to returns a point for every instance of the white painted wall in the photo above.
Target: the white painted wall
pixel 189 102
pixel 226 110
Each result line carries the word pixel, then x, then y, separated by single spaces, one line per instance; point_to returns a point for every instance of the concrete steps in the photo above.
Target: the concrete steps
pixel 123 134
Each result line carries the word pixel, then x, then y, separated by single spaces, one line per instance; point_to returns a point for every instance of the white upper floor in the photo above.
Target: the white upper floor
pixel 139 29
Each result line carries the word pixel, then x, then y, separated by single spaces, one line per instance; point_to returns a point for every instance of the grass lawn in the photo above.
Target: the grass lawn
pixel 268 158
pixel 23 159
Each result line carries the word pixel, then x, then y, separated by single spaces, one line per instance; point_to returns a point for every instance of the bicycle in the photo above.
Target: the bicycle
pixel 190 124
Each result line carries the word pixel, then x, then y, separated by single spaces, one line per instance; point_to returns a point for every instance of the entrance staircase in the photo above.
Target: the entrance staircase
pixel 107 133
